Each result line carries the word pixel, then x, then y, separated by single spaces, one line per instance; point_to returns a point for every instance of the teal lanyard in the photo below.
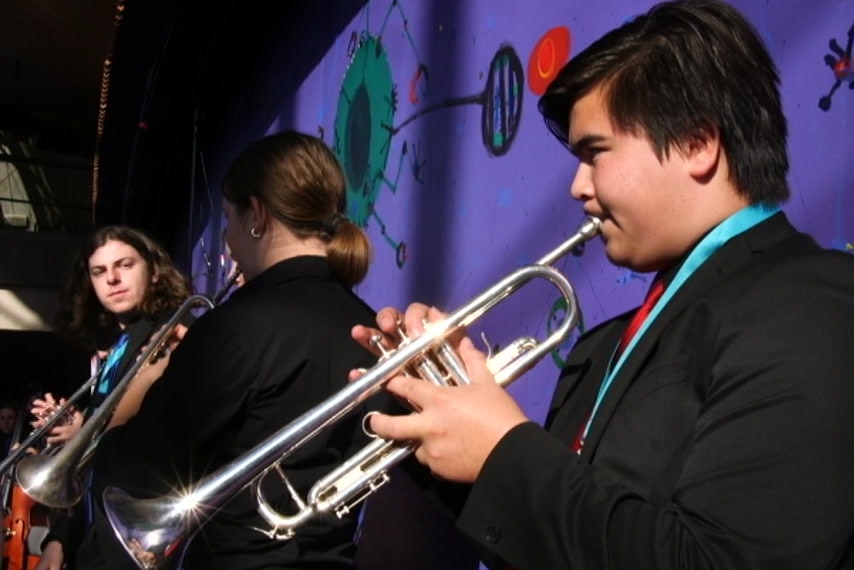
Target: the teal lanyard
pixel 738 223
pixel 110 371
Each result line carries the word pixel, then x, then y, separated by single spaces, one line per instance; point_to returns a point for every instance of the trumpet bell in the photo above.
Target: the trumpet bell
pixel 38 477
pixel 150 530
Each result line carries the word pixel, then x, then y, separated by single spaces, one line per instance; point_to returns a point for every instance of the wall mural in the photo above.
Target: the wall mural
pixel 843 70
pixel 363 131
pixel 367 109
pixel 547 57
pixel 432 114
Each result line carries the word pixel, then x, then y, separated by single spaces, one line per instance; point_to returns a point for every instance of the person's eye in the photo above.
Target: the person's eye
pixel 592 152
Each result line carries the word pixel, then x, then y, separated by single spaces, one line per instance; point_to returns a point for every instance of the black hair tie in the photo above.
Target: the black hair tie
pixel 330 224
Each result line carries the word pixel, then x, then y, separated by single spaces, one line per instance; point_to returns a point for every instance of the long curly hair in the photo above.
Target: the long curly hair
pixel 82 317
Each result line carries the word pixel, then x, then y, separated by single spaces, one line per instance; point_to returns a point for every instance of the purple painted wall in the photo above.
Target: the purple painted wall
pixel 405 95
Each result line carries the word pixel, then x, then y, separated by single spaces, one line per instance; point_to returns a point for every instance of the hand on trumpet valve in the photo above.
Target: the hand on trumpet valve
pixel 160 359
pixel 65 428
pixel 43 408
pixel 167 345
pixel 457 427
pixel 384 340
pixel 396 329
pixel 392 334
pixel 65 431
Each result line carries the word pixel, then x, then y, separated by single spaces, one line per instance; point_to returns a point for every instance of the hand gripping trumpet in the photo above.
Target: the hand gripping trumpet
pixel 53 480
pixel 154 530
pixel 59 416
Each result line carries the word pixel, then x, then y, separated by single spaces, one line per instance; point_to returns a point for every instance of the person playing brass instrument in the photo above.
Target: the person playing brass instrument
pixel 123 287
pixel 714 433
pixel 279 345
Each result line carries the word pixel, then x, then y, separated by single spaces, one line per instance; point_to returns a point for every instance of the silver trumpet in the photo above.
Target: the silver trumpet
pixel 154 530
pixel 54 480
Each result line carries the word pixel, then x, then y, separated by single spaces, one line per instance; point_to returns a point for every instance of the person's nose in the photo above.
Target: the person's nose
pixel 582 185
pixel 114 276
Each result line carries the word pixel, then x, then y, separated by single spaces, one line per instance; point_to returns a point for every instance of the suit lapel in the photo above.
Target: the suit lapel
pixel 574 393
pixel 736 253
pixel 588 357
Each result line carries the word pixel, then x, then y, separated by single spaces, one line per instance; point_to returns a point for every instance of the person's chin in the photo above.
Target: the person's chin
pixel 124 311
pixel 614 255
pixel 622 259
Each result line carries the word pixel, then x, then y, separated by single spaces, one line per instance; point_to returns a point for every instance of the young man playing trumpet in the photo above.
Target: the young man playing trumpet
pixel 718 436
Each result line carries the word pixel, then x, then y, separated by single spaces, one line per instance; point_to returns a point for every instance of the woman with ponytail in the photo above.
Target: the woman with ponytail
pixel 280 345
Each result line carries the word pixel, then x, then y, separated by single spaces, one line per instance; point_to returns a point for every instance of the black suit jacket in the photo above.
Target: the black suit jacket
pixel 724 441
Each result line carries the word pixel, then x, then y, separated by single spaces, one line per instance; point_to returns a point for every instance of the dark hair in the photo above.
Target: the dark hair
pixel 300 182
pixel 678 71
pixel 85 321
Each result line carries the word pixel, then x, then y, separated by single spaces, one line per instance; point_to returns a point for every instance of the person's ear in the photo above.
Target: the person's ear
pixel 703 152
pixel 257 215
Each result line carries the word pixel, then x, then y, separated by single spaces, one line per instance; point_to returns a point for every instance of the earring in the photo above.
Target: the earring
pixel 255 233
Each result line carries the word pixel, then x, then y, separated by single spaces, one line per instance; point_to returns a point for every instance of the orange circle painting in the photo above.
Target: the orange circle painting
pixel 547 57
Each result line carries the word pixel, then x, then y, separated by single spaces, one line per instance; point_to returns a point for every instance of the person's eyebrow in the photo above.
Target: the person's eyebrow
pixel 582 144
pixel 116 262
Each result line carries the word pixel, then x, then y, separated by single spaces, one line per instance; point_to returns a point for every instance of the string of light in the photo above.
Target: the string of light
pixel 103 104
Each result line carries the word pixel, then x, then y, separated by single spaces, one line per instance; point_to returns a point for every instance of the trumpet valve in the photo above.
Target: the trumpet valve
pixel 377 342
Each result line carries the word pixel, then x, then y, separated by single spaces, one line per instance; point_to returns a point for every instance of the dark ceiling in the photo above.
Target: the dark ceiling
pixel 174 67
pixel 52 68
pixel 51 57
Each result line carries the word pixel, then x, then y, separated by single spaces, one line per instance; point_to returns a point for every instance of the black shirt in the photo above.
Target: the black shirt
pixel 280 345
